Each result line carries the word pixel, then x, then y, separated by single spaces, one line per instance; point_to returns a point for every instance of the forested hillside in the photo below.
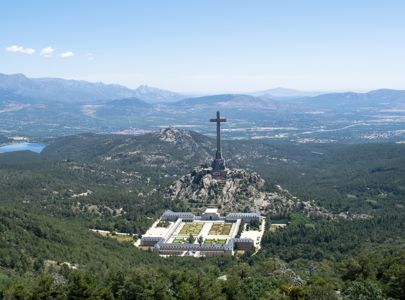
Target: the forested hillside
pixel 49 201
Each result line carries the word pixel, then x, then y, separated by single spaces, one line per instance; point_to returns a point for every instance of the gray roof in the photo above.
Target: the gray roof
pixel 151 238
pixel 243 240
pixel 194 247
pixel 239 215
pixel 178 214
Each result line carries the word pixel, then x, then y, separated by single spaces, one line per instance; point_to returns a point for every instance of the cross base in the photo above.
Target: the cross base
pixel 219 174
pixel 218 164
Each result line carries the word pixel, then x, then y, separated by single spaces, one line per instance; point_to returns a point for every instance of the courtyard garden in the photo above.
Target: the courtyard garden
pixel 220 229
pixel 191 228
pixel 178 240
pixel 215 241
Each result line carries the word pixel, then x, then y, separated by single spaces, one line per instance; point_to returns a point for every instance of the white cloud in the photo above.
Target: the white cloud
pixel 47 52
pixel 67 54
pixel 20 49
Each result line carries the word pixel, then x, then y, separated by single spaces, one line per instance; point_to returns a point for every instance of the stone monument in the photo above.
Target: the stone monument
pixel 218 165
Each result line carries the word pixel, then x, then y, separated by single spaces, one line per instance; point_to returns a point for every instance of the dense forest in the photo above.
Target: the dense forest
pixel 47 250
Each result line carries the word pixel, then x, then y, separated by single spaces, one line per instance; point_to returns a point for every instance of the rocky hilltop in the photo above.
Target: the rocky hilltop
pixel 162 156
pixel 241 190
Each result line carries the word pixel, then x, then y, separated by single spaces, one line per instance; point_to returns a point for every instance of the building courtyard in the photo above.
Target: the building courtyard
pixel 186 234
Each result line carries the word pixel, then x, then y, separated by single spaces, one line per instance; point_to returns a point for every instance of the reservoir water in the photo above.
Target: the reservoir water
pixel 34 147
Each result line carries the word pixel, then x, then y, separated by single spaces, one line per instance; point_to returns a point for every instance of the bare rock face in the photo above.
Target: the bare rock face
pixel 241 190
pixel 173 135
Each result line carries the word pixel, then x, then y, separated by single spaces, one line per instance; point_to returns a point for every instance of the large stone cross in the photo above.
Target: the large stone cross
pixel 218 164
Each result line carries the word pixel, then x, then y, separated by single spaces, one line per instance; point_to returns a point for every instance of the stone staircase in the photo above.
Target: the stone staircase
pixel 221 185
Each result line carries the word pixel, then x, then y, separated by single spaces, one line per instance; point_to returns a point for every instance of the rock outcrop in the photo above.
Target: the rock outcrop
pixel 241 190
pixel 173 135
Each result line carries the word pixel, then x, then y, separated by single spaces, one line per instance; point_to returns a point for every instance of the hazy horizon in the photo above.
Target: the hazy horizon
pixel 207 93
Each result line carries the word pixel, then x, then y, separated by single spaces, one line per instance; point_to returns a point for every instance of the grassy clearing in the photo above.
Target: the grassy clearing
pixel 122 238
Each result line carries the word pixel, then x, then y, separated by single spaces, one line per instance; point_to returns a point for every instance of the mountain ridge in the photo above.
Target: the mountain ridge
pixel 349 117
pixel 51 89
pixel 280 92
pixel 228 101
pixel 156 95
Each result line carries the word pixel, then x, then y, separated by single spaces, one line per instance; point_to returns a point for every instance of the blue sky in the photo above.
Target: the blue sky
pixel 209 46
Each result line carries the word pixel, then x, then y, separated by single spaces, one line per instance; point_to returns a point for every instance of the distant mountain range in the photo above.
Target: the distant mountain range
pixel 18 87
pixel 44 106
pixel 155 95
pixel 374 99
pixel 227 101
pixel 280 92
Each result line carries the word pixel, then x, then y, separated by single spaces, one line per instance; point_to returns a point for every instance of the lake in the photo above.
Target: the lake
pixel 34 147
